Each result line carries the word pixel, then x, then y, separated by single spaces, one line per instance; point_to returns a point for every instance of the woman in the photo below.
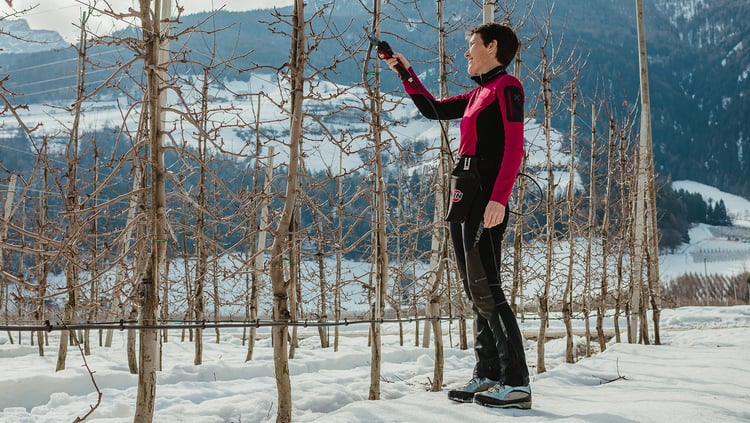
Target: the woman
pixel 492 143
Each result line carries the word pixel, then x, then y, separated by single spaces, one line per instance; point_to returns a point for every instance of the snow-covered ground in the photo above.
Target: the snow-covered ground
pixel 706 254
pixel 700 373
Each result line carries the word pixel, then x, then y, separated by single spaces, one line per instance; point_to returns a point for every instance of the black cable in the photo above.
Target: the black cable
pixel 181 324
pixel 123 324
pixel 537 204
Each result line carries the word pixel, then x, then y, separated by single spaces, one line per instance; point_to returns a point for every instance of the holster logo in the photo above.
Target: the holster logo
pixel 457 195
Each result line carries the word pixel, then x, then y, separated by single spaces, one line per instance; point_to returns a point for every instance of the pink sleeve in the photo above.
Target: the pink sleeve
pixel 511 98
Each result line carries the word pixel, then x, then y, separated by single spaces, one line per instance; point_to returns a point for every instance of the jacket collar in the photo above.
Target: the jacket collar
pixel 484 78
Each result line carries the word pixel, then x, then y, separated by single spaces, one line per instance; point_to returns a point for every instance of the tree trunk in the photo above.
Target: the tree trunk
pixel 380 250
pixel 7 216
pixel 567 300
pixel 155 56
pixel 94 303
pixel 517 296
pixel 439 235
pixel 588 274
pixel 654 281
pixel 201 265
pixel 294 298
pixel 516 292
pixel 131 344
pixel 215 279
pixel 543 298
pixel 260 254
pixel 322 310
pixel 643 173
pixel 120 268
pixel 604 235
pixel 70 248
pixel 280 245
pixel 625 231
pixel 338 241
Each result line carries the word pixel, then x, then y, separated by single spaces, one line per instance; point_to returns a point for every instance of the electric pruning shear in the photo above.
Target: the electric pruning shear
pixel 386 52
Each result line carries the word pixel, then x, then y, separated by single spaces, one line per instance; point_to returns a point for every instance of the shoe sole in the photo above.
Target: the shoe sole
pixel 458 398
pixel 526 405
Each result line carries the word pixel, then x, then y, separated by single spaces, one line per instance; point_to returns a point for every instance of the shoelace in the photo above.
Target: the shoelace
pixel 497 388
pixel 473 381
pixel 476 381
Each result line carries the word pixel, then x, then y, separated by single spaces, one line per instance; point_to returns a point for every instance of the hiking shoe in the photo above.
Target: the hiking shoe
pixel 501 396
pixel 466 392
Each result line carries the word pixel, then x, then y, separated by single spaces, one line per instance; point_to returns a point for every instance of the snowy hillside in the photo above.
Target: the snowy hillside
pixel 27 40
pixel 712 250
pixel 237 109
pixel 239 113
pixel 738 208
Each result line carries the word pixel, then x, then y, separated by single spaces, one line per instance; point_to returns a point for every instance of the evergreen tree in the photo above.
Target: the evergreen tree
pixel 696 206
pixel 673 215
pixel 710 213
pixel 721 218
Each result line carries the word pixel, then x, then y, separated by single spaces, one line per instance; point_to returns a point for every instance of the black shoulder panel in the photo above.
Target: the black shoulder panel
pixel 514 103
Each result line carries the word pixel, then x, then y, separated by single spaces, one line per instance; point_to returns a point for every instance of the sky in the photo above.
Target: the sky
pixel 61 15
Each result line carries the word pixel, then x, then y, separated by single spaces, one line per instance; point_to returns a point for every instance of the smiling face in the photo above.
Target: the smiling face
pixel 481 57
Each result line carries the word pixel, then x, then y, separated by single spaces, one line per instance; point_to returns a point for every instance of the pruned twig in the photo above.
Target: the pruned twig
pixel 619 376
pixel 91 375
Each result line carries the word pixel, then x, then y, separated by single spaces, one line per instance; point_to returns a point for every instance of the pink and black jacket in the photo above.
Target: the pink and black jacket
pixel 491 125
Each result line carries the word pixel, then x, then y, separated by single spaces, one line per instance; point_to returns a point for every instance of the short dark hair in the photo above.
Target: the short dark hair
pixel 507 41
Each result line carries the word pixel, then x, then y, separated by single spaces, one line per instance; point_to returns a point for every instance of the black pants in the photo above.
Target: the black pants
pixel 499 344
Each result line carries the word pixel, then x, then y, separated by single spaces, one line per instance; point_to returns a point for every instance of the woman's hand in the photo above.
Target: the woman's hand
pixel 494 214
pixel 395 59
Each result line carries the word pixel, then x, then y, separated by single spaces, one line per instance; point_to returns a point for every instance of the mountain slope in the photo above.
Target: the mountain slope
pixel 699 65
pixel 17 37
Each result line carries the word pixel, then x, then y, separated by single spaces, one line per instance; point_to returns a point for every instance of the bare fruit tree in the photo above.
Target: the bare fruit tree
pixel 154 26
pixel 281 246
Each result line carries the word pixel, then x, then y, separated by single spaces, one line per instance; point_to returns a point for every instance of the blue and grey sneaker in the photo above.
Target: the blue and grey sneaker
pixel 466 392
pixel 502 396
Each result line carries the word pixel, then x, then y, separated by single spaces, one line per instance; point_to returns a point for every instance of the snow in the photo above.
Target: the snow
pixel 24 40
pixel 738 208
pixel 63 15
pixel 706 254
pixel 682 10
pixel 699 373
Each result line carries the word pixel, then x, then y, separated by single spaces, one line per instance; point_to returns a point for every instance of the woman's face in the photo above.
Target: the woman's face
pixel 481 58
